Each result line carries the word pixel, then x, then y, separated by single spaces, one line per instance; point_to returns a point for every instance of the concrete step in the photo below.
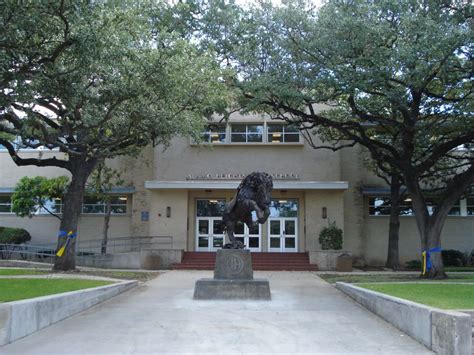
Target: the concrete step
pixel 260 261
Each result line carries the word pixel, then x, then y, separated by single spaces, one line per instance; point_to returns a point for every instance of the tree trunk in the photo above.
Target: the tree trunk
pixel 432 240
pixel 72 208
pixel 430 228
pixel 393 260
pixel 108 212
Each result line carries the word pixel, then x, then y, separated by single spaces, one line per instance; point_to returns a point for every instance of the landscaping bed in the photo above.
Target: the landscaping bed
pixel 439 295
pixel 15 289
pixel 20 272
pixel 391 277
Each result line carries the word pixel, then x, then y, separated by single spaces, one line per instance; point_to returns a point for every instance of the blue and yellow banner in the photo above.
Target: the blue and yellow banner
pixel 70 235
pixel 427 258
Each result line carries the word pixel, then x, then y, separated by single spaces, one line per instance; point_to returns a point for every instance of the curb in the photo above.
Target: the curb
pixel 445 332
pixel 21 318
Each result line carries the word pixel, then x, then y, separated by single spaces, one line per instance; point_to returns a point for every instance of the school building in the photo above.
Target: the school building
pixel 179 193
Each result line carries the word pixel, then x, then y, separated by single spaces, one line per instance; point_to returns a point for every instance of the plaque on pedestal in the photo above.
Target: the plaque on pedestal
pixel 233 279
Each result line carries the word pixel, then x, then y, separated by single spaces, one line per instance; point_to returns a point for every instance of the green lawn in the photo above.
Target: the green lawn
pixel 18 272
pixel 19 289
pixel 124 275
pixel 444 296
pixel 459 268
pixel 332 278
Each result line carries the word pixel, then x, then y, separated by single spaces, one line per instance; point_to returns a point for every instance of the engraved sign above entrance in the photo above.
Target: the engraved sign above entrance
pixel 239 176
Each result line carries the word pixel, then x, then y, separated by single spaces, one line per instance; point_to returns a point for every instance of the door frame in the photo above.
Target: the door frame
pixel 247 235
pixel 210 235
pixel 282 235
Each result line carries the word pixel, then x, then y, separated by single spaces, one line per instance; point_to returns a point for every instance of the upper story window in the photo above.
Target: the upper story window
pixel 5 204
pixel 246 133
pixel 281 133
pixel 93 205
pixel 214 134
pixel 253 133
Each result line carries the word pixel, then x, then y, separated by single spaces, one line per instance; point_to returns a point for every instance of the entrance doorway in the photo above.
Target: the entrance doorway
pixel 209 224
pixel 249 236
pixel 283 226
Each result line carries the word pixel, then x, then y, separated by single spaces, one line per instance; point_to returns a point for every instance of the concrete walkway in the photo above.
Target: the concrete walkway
pixel 306 315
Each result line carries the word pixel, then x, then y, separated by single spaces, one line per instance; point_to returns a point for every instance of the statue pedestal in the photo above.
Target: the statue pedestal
pixel 233 279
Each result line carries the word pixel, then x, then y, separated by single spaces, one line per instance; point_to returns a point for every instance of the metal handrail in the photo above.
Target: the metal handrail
pixel 85 247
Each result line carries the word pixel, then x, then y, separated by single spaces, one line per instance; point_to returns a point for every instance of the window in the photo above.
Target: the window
pixel 281 133
pixel 380 206
pixel 92 205
pixel 5 204
pixel 470 206
pixel 54 206
pixel 246 133
pixel 283 208
pixel 210 208
pixel 214 134
pixel 456 209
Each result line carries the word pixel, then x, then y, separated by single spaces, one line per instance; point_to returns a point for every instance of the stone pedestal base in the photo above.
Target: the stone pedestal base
pixel 213 289
pixel 233 279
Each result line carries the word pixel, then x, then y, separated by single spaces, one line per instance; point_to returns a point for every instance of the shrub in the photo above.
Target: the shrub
pixel 453 257
pixel 14 235
pixel 330 237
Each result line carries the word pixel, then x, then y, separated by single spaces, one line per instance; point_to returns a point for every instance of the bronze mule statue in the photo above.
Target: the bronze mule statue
pixel 253 194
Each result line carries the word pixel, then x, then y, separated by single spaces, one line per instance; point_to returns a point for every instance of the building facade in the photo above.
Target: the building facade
pixel 179 194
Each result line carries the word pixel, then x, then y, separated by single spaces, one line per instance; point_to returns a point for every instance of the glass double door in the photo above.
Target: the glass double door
pixel 249 236
pixel 209 225
pixel 282 234
pixel 210 233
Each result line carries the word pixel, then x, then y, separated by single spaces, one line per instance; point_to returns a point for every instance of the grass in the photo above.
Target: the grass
pixel 19 272
pixel 333 278
pixel 444 296
pixel 124 275
pixel 459 268
pixel 20 289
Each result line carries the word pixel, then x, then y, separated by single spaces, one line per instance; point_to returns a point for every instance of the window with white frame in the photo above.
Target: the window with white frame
pixel 282 133
pixel 54 206
pixel 93 205
pixel 470 206
pixel 5 204
pixel 246 133
pixel 214 134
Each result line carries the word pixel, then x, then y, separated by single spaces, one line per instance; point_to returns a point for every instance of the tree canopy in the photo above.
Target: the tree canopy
pixel 394 76
pixel 91 80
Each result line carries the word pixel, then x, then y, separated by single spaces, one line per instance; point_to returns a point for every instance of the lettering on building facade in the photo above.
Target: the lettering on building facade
pixel 239 176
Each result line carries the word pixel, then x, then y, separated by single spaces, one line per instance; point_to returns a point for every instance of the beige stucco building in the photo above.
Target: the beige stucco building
pixel 180 192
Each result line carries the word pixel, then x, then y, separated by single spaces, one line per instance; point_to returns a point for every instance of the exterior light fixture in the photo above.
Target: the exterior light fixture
pixel 168 211
pixel 325 212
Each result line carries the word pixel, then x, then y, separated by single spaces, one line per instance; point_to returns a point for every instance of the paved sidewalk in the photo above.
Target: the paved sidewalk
pixel 306 315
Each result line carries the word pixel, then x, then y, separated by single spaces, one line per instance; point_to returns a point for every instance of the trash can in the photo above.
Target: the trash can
pixel 344 263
